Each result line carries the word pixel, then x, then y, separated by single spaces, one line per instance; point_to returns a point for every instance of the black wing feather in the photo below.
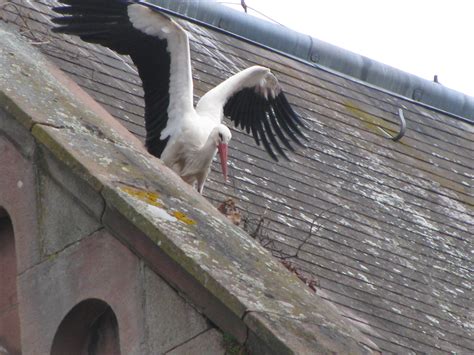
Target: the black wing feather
pixel 277 128
pixel 267 119
pixel 263 136
pixel 252 118
pixel 261 109
pixel 271 136
pixel 293 117
pixel 284 120
pixel 106 22
pixel 245 120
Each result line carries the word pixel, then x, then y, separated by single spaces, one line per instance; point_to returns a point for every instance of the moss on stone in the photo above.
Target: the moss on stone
pixel 44 136
pixel 232 346
pixel 9 105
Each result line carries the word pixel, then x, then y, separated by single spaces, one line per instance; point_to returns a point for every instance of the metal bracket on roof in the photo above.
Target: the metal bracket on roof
pixel 403 128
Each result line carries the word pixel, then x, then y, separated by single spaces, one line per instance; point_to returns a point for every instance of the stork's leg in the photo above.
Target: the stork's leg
pixel 197 183
pixel 200 184
pixel 200 187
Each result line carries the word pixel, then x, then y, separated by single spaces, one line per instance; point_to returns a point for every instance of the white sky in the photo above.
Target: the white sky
pixel 422 37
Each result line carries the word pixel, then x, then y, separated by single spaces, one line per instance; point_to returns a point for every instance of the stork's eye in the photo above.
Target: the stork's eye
pixel 221 137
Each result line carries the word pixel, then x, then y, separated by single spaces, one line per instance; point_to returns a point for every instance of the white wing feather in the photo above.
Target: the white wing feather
pixel 181 84
pixel 212 103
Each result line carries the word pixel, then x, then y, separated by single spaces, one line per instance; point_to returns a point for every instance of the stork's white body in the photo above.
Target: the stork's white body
pixel 191 147
pixel 191 150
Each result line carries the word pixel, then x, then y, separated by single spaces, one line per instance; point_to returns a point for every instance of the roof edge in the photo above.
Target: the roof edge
pixel 325 56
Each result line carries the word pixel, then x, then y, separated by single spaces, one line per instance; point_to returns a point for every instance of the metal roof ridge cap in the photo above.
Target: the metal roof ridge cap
pixel 328 57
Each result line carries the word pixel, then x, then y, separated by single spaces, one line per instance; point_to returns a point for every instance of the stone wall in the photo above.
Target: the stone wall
pixel 66 258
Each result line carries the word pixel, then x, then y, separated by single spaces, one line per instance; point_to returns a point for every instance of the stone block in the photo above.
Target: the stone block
pixel 10 332
pixel 18 199
pixel 80 190
pixel 208 343
pixel 62 220
pixel 17 134
pixel 98 267
pixel 170 319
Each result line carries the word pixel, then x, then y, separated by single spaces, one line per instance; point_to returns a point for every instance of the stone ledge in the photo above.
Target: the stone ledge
pixel 178 222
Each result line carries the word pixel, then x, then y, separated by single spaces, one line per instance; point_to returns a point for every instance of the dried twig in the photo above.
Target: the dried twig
pixel 258 228
pixel 309 280
pixel 310 233
pixel 21 20
pixel 260 234
pixel 5 3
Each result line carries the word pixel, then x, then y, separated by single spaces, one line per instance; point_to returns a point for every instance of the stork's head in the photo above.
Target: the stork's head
pixel 222 137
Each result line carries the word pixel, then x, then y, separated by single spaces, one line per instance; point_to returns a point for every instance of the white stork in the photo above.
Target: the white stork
pixel 185 138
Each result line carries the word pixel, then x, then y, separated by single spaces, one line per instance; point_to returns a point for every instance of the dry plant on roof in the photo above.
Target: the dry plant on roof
pixel 21 19
pixel 258 228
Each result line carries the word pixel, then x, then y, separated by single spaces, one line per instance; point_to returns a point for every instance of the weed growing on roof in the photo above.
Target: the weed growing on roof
pixel 258 228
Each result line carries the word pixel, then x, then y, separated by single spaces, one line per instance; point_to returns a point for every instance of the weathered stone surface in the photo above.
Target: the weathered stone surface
pixel 39 93
pixel 17 134
pixel 166 267
pixel 284 335
pixel 18 199
pixel 207 343
pixel 62 220
pixel 10 332
pixel 170 320
pixel 81 193
pixel 97 267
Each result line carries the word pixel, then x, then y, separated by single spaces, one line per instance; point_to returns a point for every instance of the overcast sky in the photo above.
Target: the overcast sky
pixel 423 37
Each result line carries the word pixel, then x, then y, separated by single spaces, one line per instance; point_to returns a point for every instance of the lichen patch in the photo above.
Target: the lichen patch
pixel 152 198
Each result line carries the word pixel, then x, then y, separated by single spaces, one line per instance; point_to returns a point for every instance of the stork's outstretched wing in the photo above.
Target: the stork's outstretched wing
pixel 255 102
pixel 156 44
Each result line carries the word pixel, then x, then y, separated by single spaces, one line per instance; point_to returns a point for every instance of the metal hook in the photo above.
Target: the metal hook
pixel 403 128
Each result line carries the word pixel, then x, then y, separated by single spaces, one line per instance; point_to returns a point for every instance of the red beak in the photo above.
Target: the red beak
pixel 222 149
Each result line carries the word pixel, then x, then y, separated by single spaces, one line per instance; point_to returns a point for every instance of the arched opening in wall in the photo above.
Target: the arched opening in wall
pixel 90 328
pixel 9 320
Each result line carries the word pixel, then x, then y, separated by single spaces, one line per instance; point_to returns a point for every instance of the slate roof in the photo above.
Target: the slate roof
pixel 384 227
